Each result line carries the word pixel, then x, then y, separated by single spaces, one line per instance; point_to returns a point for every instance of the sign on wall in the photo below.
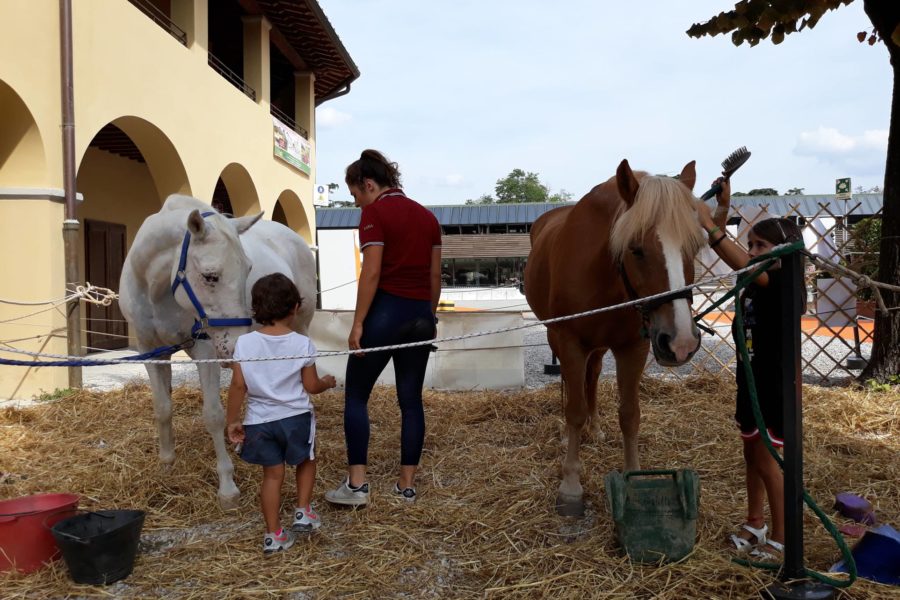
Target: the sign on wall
pixel 291 147
pixel 320 197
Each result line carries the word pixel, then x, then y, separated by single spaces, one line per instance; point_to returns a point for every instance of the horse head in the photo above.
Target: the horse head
pixel 654 241
pixel 212 262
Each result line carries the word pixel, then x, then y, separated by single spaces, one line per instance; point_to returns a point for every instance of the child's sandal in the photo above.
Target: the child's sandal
pixel 743 546
pixel 770 552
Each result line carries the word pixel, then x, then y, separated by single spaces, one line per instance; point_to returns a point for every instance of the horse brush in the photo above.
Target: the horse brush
pixel 731 164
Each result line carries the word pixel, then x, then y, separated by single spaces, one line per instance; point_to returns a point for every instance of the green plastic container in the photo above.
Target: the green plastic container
pixel 655 512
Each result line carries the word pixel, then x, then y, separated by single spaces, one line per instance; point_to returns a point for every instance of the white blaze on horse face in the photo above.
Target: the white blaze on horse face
pixel 683 340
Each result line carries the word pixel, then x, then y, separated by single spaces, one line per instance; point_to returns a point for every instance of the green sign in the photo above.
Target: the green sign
pixel 842 189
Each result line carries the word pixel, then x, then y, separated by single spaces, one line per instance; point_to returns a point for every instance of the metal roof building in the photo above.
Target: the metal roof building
pixel 496 214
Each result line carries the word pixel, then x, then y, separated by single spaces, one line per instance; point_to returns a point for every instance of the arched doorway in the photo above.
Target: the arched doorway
pixel 127 171
pixel 289 211
pixel 235 194
pixel 23 163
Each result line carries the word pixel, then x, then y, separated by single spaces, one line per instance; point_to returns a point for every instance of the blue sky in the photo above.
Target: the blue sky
pixel 460 93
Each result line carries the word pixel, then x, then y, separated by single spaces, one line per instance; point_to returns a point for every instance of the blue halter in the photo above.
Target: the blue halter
pixel 203 322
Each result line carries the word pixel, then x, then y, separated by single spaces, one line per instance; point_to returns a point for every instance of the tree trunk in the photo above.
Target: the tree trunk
pixel 885 359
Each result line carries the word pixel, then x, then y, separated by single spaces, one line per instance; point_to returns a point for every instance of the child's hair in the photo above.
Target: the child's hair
pixel 273 298
pixel 781 231
pixel 373 165
pixel 778 231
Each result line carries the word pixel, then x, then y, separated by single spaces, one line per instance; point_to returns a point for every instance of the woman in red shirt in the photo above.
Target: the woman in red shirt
pixel 399 288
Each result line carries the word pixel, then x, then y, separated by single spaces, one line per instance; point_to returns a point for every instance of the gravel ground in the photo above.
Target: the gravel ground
pixel 716 352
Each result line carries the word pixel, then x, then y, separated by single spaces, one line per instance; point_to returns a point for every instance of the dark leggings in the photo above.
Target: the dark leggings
pixel 390 320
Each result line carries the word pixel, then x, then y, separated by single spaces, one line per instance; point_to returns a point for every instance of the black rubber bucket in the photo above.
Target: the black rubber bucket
pixel 99 547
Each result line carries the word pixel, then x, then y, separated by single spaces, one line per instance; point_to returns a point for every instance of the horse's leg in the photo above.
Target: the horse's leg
pixel 214 418
pixel 161 385
pixel 573 364
pixel 629 368
pixel 594 368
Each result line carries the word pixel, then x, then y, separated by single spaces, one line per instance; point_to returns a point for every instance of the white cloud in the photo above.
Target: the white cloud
pixel 329 117
pixel 452 180
pixel 861 154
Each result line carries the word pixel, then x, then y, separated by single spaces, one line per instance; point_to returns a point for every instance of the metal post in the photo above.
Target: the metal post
pixel 70 224
pixel 793 582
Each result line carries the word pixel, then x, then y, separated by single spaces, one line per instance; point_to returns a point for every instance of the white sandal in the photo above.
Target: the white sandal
pixel 770 551
pixel 744 546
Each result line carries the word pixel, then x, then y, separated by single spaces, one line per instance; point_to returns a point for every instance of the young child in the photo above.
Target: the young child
pixel 761 310
pixel 279 426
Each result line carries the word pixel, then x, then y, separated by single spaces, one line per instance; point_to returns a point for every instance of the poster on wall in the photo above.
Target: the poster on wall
pixel 291 147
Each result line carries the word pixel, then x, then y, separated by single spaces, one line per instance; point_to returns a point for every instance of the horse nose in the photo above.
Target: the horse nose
pixel 681 349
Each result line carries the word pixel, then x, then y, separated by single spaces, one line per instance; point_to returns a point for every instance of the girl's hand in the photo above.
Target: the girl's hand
pixel 704 216
pixel 329 381
pixel 723 201
pixel 235 432
pixel 355 337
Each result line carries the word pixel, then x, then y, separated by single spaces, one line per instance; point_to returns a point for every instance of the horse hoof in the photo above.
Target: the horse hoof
pixel 229 502
pixel 569 506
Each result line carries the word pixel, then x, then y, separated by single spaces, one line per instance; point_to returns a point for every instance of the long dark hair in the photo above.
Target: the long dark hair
pixel 373 165
pixel 778 231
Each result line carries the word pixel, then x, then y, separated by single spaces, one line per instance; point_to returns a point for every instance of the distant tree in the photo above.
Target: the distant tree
pixel 332 187
pixel 519 187
pixel 794 192
pixel 483 199
pixel 763 192
pixel 561 196
pixel 754 20
pixel 342 203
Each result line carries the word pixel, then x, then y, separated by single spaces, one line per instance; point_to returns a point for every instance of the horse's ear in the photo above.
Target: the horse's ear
pixel 196 225
pixel 627 182
pixel 242 224
pixel 689 175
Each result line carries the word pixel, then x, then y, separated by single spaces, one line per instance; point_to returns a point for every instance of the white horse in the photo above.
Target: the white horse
pixel 187 278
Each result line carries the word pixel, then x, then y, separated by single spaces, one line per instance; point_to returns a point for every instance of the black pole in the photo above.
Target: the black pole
pixel 793 582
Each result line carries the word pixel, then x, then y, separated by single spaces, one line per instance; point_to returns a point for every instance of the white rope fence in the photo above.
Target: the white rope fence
pixel 630 303
pixel 99 295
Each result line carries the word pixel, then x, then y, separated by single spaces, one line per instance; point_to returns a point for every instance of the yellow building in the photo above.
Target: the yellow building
pixel 211 98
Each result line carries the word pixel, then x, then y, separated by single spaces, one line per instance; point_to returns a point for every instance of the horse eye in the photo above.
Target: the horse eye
pixel 637 252
pixel 210 278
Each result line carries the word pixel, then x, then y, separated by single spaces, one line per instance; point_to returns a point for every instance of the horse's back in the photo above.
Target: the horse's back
pixel 275 248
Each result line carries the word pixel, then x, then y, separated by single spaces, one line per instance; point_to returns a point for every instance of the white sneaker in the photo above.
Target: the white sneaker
pixel 349 496
pixel 407 494
pixel 276 542
pixel 305 520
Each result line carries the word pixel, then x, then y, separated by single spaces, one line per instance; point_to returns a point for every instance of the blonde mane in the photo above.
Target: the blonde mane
pixel 663 203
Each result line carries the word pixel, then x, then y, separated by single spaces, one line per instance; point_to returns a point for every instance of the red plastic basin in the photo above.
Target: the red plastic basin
pixel 26 542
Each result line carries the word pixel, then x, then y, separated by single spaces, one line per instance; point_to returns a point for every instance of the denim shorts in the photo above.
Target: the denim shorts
pixel 277 442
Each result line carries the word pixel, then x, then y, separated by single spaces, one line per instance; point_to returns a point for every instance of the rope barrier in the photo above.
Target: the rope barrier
pixel 78 361
pixel 861 281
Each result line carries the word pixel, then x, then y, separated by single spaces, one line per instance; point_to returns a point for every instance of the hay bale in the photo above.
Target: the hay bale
pixel 484 524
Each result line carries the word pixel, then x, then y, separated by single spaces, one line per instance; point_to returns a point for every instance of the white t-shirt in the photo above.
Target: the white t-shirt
pixel 274 388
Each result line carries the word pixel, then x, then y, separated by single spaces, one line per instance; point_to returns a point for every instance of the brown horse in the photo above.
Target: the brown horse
pixel 634 236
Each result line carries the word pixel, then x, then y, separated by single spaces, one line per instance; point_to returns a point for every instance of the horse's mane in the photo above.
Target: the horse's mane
pixel 663 203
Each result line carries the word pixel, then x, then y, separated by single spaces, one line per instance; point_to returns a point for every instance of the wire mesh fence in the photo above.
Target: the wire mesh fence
pixel 836 330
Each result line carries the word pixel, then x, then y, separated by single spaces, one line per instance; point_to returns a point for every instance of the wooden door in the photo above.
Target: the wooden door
pixel 104 256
